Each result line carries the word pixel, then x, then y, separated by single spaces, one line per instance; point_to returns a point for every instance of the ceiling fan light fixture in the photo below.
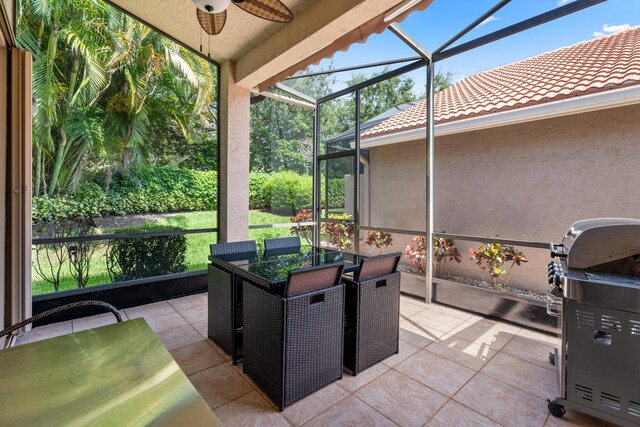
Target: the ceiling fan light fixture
pixel 212 6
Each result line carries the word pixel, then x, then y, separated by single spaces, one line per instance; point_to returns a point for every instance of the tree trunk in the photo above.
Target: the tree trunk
pixel 38 171
pixel 62 148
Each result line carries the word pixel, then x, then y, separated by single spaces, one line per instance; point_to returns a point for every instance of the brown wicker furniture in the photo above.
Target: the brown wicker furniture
pixel 293 341
pixel 372 312
pixel 282 243
pixel 225 297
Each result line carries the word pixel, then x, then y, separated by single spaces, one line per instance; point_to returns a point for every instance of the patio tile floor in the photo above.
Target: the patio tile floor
pixel 453 369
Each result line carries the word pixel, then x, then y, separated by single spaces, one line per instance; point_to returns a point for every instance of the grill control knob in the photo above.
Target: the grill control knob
pixel 557 279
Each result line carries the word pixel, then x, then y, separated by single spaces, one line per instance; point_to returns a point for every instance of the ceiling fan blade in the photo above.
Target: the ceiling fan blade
pixel 271 10
pixel 212 23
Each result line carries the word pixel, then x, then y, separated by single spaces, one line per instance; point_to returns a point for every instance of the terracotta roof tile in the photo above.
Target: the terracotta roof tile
pixel 604 63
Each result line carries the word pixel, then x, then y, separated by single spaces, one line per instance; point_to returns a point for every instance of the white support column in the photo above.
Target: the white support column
pixel 234 157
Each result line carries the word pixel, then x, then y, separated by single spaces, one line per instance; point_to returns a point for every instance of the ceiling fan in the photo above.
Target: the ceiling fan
pixel 212 14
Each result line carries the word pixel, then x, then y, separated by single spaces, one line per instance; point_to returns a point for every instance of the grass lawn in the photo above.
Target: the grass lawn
pixel 195 257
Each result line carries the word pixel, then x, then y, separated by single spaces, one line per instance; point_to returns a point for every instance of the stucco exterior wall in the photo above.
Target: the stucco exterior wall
pixel 527 182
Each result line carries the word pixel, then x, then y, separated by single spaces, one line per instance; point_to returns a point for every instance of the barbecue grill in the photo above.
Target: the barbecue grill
pixel 595 289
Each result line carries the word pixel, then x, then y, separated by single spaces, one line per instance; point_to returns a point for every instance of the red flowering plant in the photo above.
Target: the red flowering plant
pixel 495 258
pixel 339 234
pixel 304 231
pixel 417 253
pixel 444 252
pixel 379 239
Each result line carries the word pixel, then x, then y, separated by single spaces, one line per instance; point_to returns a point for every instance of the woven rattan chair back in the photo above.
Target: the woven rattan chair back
pixel 377 266
pixel 312 279
pixel 233 247
pixel 282 243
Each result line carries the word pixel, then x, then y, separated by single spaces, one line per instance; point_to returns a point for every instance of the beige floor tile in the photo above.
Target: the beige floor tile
pixel 572 419
pixel 91 322
pixel 529 350
pixel 451 311
pixel 454 414
pixel 191 301
pixel 502 403
pixel 179 337
pixel 202 328
pixel 240 369
pixel 407 309
pixel 351 383
pixel 486 332
pixel 149 310
pixel 524 375
pixel 418 335
pixel 167 321
pixel 45 332
pixel 195 314
pixel 350 412
pixel 464 352
pixel 405 350
pixel 311 406
pixel 250 410
pixel 401 399
pixel 196 357
pixel 220 384
pixel 431 319
pixel 550 340
pixel 226 356
pixel 436 372
pixel 414 301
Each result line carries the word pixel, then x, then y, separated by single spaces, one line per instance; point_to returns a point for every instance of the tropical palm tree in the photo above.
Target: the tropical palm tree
pixel 101 80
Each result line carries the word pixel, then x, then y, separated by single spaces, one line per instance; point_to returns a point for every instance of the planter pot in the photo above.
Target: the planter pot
pixel 528 312
pixel 413 285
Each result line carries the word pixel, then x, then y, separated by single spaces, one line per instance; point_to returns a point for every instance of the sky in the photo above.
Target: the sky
pixel 444 18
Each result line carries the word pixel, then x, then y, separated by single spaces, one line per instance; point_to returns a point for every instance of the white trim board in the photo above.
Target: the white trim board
pixel 576 105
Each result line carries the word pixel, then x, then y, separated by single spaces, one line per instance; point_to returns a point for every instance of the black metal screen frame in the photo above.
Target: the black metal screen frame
pixel 426 60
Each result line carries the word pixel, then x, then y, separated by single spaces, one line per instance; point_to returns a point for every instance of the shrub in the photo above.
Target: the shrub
pixel 259 197
pixel 340 233
pixel 379 239
pixel 159 189
pixel 141 257
pixel 445 251
pixel 50 258
pixel 495 257
pixel 417 253
pixel 304 231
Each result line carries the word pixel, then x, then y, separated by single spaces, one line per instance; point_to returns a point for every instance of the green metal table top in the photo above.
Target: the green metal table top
pixel 116 375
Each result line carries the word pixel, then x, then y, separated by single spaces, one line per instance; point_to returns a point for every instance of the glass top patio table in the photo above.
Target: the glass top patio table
pixel 271 269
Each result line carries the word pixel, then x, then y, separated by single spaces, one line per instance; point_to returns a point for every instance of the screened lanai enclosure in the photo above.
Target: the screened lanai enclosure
pixel 447 189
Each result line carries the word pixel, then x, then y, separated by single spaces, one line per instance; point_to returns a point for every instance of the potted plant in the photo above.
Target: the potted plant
pixel 380 239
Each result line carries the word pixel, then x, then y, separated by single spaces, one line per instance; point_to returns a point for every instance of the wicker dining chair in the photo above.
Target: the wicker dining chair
pixel 372 312
pixel 233 247
pixel 293 341
pixel 292 242
pixel 224 300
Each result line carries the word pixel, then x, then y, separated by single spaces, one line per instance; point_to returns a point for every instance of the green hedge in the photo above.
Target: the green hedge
pixel 166 189
pixel 139 258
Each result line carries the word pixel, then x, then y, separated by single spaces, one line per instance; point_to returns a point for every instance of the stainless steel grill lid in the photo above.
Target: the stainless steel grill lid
pixel 597 241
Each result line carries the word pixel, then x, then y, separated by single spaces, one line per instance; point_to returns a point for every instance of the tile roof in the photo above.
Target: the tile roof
pixel 604 63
